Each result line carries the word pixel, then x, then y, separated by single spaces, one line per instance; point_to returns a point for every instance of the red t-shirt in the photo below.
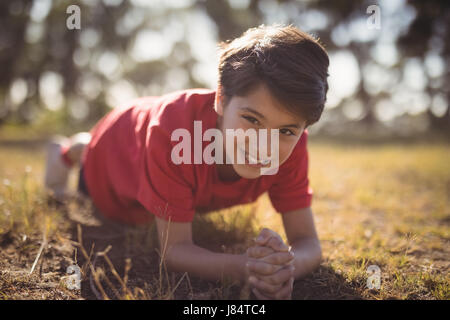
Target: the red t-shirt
pixel 130 175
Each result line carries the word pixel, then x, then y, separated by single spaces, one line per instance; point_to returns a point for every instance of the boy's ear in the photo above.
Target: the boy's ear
pixel 218 103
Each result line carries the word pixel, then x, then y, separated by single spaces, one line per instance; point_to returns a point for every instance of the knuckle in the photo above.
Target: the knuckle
pixel 262 251
pixel 280 258
pixel 265 269
pixel 268 259
pixel 272 280
pixel 285 257
pixel 265 249
pixel 273 268
pixel 272 260
pixel 259 267
pixel 277 279
pixel 283 276
pixel 269 268
pixel 280 244
pixel 288 272
pixel 272 289
pixel 272 243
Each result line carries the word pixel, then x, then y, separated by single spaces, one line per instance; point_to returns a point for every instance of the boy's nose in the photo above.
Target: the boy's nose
pixel 261 149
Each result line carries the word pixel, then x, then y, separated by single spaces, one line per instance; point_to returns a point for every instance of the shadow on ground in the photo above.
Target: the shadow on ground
pixel 324 284
pixel 146 279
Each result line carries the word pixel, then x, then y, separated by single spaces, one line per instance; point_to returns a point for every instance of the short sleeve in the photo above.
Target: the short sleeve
pixel 164 189
pixel 291 189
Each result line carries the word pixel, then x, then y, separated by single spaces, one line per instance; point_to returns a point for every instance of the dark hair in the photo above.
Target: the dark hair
pixel 291 63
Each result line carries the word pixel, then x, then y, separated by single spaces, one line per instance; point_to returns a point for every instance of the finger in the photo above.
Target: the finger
pixel 279 277
pixel 259 251
pixel 286 292
pixel 262 268
pixel 264 287
pixel 264 236
pixel 279 258
pixel 259 295
pixel 277 244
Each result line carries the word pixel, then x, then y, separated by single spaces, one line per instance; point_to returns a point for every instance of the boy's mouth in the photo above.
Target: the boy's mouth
pixel 255 162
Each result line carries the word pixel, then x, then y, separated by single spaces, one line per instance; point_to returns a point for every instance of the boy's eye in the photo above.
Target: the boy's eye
pixel 251 119
pixel 287 132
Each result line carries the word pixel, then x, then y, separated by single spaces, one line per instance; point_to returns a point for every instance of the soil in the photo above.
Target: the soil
pixel 134 260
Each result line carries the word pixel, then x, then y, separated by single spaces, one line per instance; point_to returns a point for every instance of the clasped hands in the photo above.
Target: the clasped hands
pixel 269 267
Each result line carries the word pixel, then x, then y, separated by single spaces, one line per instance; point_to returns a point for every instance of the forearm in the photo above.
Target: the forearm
pixel 308 255
pixel 205 264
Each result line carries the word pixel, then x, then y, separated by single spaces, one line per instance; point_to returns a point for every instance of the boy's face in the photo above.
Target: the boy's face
pixel 258 110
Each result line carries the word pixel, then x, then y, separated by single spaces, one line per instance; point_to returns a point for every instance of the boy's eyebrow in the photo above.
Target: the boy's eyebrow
pixel 253 111
pixel 294 125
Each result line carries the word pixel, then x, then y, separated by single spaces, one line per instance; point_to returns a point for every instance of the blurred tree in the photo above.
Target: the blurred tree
pixel 429 33
pixel 232 22
pixel 341 13
pixel 36 45
pixel 13 22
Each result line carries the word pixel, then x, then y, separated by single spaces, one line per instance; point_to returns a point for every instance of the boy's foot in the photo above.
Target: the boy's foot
pixel 56 170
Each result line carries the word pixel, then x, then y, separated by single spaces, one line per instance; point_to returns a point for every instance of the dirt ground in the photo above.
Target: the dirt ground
pixel 145 279
pixel 384 205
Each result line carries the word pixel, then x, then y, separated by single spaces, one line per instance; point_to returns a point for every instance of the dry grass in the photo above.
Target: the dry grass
pixel 380 204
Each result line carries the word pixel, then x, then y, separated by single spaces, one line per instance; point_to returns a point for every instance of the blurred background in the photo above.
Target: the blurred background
pixel 391 80
pixel 380 155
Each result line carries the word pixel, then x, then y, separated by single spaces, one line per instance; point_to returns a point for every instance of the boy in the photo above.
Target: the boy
pixel 273 78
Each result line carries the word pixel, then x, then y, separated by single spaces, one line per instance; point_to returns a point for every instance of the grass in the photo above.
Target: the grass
pixel 384 204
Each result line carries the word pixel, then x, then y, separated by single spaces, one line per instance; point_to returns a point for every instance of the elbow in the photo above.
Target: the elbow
pixel 315 252
pixel 311 252
pixel 316 256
